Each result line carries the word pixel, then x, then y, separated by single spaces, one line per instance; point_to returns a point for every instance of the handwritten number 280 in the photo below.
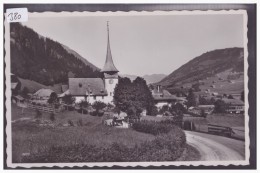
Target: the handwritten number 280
pixel 14 16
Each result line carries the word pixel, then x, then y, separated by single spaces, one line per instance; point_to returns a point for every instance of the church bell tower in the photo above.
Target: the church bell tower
pixel 110 72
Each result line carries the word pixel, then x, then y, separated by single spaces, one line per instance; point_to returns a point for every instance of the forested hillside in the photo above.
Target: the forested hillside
pixel 43 60
pixel 207 65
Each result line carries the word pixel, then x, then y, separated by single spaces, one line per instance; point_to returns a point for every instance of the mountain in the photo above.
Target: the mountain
pixel 153 78
pixel 131 77
pixel 205 66
pixel 43 60
pixel 86 62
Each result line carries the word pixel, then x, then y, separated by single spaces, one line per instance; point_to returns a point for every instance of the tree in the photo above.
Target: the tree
pixel 84 104
pixel 203 101
pixel 68 99
pixel 133 94
pixel 53 98
pixel 164 109
pixel 25 92
pixel 220 106
pixel 178 108
pixel 242 97
pixel 203 114
pixel 98 105
pixel 191 99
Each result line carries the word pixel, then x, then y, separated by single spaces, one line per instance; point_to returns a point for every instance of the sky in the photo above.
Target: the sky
pixel 143 45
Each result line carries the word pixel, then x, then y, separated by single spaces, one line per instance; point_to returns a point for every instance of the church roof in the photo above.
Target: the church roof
pixel 87 86
pixel 109 64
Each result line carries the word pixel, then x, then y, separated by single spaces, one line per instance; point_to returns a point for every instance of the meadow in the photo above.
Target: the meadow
pixel 28 136
pixel 86 138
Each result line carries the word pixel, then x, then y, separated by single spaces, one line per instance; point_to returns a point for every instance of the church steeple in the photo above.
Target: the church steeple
pixel 109 64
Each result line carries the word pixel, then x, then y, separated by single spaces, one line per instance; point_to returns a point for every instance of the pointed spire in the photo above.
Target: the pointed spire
pixel 109 64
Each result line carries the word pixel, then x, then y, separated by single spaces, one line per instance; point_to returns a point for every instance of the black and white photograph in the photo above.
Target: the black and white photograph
pixel 127 88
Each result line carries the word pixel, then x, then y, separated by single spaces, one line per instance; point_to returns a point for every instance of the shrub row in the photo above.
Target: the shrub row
pixel 152 127
pixel 165 147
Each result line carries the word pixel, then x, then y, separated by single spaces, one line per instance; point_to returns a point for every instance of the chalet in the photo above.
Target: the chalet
pixel 96 89
pixel 234 106
pixel 163 97
pixel 208 109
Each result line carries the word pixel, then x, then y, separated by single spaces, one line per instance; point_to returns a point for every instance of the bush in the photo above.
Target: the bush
pixel 70 123
pixel 100 113
pixel 98 105
pixel 220 106
pixel 152 127
pixel 164 109
pixel 84 104
pixel 154 111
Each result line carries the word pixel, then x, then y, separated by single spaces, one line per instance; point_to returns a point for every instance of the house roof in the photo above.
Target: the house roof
pixel 109 64
pixel 64 94
pixel 14 85
pixel 87 86
pixel 233 101
pixel 164 95
pixel 167 98
pixel 43 93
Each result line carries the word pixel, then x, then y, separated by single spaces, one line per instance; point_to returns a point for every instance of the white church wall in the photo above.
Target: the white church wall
pixel 110 87
pixel 93 99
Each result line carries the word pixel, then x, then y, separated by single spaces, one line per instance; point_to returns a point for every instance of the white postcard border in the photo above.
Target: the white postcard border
pixel 124 164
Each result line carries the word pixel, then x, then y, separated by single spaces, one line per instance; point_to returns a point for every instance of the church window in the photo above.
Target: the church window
pixel 94 97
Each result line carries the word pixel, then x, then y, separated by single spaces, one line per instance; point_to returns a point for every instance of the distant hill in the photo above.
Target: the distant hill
pixel 131 77
pixel 43 60
pixel 153 78
pixel 208 65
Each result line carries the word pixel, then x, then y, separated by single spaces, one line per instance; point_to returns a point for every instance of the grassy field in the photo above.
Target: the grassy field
pixel 29 137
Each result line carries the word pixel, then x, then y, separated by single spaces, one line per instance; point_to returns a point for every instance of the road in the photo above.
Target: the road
pixel 212 147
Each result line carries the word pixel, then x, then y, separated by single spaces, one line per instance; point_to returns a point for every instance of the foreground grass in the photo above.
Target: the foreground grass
pixel 41 140
pixel 29 137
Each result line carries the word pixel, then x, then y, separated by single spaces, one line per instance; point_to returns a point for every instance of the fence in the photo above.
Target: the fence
pixel 220 130
pixel 49 109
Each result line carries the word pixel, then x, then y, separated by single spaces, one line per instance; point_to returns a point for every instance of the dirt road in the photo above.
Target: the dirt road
pixel 212 147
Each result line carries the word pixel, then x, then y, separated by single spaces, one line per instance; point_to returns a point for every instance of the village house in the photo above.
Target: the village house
pixel 234 106
pixel 96 89
pixel 163 97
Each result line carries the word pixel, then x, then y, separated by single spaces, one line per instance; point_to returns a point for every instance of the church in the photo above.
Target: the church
pixel 96 89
